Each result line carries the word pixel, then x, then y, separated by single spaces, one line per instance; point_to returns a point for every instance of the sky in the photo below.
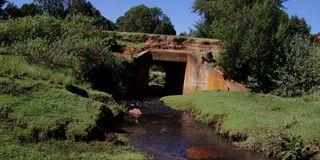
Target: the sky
pixel 181 14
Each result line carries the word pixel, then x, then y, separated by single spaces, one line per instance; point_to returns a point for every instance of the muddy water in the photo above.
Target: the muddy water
pixel 172 135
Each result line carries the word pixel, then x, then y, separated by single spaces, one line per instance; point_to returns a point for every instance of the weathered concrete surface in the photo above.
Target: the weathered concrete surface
pixel 185 73
pixel 202 77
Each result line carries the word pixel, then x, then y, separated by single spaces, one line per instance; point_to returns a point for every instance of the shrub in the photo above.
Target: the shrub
pixel 21 29
pixel 73 43
pixel 300 68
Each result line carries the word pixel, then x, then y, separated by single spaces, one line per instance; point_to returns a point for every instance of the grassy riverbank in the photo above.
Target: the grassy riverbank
pixel 256 121
pixel 44 114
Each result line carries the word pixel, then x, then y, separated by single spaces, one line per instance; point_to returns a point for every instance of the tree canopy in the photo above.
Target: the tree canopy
pixel 53 7
pixel 147 20
pixel 11 11
pixel 2 2
pixel 254 34
pixel 56 8
pixel 86 8
pixel 30 10
pixel 61 8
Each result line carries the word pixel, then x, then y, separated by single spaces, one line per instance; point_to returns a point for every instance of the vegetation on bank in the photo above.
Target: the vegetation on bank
pixel 285 127
pixel 74 43
pixel 43 117
pixel 263 47
pixel 50 69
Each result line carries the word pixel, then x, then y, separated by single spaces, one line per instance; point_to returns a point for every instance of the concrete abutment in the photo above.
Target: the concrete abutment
pixel 185 73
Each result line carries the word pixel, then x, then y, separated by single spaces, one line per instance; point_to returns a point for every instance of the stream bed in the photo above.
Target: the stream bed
pixel 167 134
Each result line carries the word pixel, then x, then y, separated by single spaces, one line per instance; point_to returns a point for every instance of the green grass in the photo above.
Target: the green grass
pixel 157 78
pixel 41 119
pixel 261 118
pixel 54 149
pixel 137 46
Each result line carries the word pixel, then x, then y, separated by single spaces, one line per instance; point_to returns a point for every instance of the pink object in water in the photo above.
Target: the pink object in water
pixel 135 112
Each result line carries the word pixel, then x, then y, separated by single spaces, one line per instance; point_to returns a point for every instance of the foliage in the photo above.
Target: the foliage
pixel 293 147
pixel 157 78
pixel 86 8
pixel 11 11
pixel 2 3
pixel 258 117
pixel 22 29
pixel 165 27
pixel 73 43
pixel 202 29
pixel 30 10
pixel 300 68
pixel 54 8
pixel 298 25
pixel 145 20
pixel 45 100
pixel 254 35
pixel 62 8
pixel 41 119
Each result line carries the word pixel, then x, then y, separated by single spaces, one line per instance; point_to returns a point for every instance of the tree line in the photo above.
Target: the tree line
pixel 137 19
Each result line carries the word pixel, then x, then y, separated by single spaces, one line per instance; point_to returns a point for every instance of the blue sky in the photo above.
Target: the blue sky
pixel 180 14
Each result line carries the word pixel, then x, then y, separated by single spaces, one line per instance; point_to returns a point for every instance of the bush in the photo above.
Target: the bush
pixel 21 29
pixel 73 43
pixel 300 68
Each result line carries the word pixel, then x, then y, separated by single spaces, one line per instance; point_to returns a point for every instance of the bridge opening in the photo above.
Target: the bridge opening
pixel 165 78
pixel 157 75
pixel 160 74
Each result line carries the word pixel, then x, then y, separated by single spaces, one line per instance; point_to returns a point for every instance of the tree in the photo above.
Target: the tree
pixel 53 7
pixel 253 34
pixel 298 25
pixel 300 71
pixel 86 8
pixel 30 10
pixel 165 27
pixel 2 3
pixel 61 8
pixel 11 11
pixel 144 19
pixel 247 30
pixel 202 27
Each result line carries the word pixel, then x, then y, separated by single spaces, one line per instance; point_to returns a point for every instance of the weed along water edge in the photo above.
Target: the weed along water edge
pixel 165 134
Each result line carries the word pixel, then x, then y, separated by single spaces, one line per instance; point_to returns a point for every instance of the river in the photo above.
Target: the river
pixel 167 134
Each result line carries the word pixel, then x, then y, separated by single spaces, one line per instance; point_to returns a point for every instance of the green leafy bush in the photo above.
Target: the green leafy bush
pixel 21 29
pixel 300 68
pixel 73 42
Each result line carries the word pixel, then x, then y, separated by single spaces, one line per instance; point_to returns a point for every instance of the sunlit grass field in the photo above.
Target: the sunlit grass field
pixel 260 118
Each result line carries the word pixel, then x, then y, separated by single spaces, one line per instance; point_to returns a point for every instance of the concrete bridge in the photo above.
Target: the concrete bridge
pixel 185 73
